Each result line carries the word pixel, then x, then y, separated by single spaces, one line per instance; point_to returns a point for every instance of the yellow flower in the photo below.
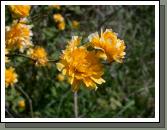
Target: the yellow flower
pixel 18 36
pixel 10 77
pixel 6 58
pixel 109 44
pixel 75 24
pixel 20 11
pixel 61 25
pixel 39 55
pixel 60 77
pixel 80 65
pixel 21 103
pixel 55 6
pixel 58 18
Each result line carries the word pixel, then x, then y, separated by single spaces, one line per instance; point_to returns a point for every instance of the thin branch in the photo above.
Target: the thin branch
pixel 28 98
pixel 20 55
pixel 50 60
pixel 76 104
pixel 6 110
pixel 25 56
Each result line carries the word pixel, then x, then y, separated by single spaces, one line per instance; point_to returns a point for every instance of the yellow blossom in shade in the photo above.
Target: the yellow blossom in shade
pixel 58 18
pixel 55 6
pixel 18 36
pixel 39 55
pixel 75 24
pixel 6 58
pixel 60 77
pixel 10 77
pixel 80 65
pixel 109 44
pixel 61 25
pixel 20 11
pixel 21 103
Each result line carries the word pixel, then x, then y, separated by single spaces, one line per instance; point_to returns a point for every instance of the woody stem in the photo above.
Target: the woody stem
pixel 76 104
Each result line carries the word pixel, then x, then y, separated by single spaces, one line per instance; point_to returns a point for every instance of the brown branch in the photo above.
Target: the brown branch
pixel 28 98
pixel 76 104
pixel 25 56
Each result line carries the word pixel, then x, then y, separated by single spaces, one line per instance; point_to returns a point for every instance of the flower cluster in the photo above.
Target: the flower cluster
pixel 17 36
pixel 59 19
pixel 83 66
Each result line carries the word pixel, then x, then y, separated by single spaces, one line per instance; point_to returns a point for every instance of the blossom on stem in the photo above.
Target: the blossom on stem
pixel 109 44
pixel 18 36
pixel 39 55
pixel 10 77
pixel 80 65
pixel 20 11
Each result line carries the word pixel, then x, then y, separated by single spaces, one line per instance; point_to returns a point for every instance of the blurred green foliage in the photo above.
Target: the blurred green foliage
pixel 129 87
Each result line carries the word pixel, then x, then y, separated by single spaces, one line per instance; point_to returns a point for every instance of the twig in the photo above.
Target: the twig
pixel 6 110
pixel 76 104
pixel 28 98
pixel 53 60
pixel 25 56
pixel 21 55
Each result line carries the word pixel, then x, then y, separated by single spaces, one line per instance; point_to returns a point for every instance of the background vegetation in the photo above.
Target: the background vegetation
pixel 129 87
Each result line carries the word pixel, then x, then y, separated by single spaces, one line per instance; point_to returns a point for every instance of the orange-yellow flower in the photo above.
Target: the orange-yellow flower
pixel 61 25
pixel 58 18
pixel 75 24
pixel 18 36
pixel 39 55
pixel 55 6
pixel 109 44
pixel 80 65
pixel 21 103
pixel 20 11
pixel 10 77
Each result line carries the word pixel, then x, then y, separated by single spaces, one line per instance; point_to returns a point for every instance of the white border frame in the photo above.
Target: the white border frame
pixel 156 119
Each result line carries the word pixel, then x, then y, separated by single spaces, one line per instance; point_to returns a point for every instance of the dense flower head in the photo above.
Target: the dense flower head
pixel 109 44
pixel 58 18
pixel 18 35
pixel 75 24
pixel 39 55
pixel 10 77
pixel 80 65
pixel 20 11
